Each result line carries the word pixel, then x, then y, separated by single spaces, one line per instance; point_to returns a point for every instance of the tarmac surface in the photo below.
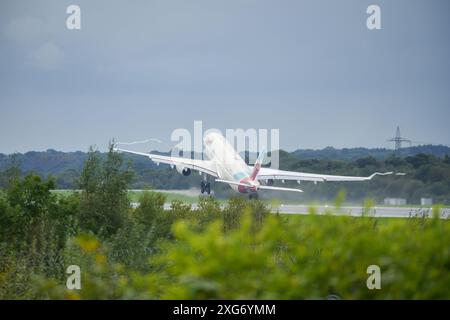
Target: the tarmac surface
pixel 356 211
pixel 381 211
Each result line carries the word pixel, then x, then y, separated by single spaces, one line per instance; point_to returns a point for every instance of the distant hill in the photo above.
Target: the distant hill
pixel 330 153
pixel 64 166
pixel 46 162
pixel 52 162
pixel 427 168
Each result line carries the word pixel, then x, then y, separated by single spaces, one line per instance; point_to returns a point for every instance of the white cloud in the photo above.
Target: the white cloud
pixel 47 57
pixel 25 30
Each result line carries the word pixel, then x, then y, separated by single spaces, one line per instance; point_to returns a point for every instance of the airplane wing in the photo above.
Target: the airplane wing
pixel 274 174
pixel 204 166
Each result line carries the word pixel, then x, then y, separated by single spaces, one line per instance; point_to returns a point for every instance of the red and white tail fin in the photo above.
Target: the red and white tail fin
pixel 257 165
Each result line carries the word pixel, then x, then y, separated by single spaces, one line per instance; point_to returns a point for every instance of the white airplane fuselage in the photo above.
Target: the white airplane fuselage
pixel 229 164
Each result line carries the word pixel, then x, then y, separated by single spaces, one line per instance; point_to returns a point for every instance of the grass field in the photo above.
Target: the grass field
pixel 240 252
pixel 170 196
pixel 135 194
pixel 180 196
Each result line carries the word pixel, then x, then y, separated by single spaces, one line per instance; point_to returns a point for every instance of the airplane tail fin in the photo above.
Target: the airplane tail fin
pixel 258 164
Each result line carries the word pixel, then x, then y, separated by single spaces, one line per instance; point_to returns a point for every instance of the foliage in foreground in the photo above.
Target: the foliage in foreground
pixel 313 257
pixel 235 252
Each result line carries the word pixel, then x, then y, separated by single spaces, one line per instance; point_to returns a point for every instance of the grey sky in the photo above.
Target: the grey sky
pixel 139 69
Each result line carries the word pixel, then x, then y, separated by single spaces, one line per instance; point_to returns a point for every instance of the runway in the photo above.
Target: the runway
pixel 355 211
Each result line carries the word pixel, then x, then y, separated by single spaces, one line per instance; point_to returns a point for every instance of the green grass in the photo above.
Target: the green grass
pixel 170 196
pixel 134 195
pixel 64 193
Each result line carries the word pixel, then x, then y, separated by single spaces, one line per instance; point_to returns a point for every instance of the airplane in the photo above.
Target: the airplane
pixel 227 166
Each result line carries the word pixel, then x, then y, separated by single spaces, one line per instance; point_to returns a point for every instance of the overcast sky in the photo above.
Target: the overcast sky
pixel 140 69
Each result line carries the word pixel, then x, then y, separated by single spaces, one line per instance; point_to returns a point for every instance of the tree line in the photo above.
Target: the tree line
pixel 239 251
pixel 427 175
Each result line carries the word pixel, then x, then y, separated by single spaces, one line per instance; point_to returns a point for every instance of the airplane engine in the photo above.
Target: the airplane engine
pixel 184 171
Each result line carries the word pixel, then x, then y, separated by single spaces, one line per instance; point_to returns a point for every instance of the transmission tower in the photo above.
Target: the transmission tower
pixel 399 140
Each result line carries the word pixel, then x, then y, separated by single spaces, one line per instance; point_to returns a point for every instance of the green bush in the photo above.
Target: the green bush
pixel 311 257
pixel 234 251
pixel 302 258
pixel 34 227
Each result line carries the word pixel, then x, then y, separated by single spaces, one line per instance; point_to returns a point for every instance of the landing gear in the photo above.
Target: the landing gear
pixel 253 196
pixel 205 187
